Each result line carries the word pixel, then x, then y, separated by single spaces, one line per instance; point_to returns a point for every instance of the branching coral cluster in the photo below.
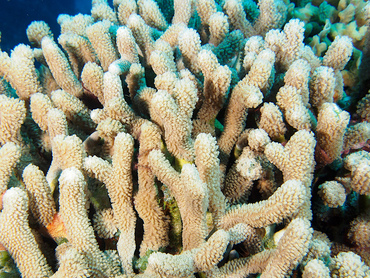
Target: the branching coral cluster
pixel 200 140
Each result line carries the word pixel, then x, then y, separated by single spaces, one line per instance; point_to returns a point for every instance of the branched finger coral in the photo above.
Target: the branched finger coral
pixel 188 138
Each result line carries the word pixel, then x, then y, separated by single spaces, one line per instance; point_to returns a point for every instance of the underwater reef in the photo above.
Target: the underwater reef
pixel 188 138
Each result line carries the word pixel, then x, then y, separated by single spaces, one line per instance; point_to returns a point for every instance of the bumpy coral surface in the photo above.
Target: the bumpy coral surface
pixel 188 138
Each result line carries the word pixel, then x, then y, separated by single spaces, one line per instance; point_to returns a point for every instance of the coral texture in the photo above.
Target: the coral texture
pixel 188 138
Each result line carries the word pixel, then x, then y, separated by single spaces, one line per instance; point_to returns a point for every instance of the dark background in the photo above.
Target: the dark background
pixel 16 15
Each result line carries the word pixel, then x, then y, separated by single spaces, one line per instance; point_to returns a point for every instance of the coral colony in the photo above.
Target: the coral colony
pixel 193 138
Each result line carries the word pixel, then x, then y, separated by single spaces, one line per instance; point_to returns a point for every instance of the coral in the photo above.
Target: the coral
pixel 188 139
pixel 348 264
pixel 10 154
pixel 356 136
pixel 331 125
pixel 316 268
pixel 41 201
pixel 60 67
pixel 17 237
pixel 290 249
pixel 359 231
pixel 332 193
pixel 13 114
pixel 282 204
pixel 358 164
pixel 318 249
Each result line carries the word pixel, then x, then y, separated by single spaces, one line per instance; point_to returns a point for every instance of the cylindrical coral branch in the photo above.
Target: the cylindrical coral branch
pixel 162 59
pixel 112 87
pixel 155 223
pixel 261 73
pixel 72 263
pixel 286 200
pixel 77 224
pixel 218 28
pixel 193 217
pixel 293 46
pixel 359 233
pixel 102 11
pixel 322 85
pixel 240 177
pixel 99 36
pixel 104 223
pixel 319 248
pixel 211 252
pixel 40 106
pixel 183 10
pixel 189 44
pixel 339 53
pixel 41 201
pixel 17 237
pixel 296 159
pixel 205 9
pixel 272 121
pixel 126 45
pixel 125 9
pixel 290 250
pixel 118 109
pixel 234 10
pixel 74 109
pixel 162 264
pixel 92 79
pixel 120 192
pixel 136 83
pixel 242 98
pixel 108 130
pixel 208 164
pixel 172 33
pixel 151 14
pixel 290 102
pixel 5 64
pixel 117 178
pixel 60 67
pixel 217 80
pixel 79 50
pixel 331 126
pixel 142 34
pixel 76 24
pixel 203 258
pixel 316 268
pixel 356 136
pixel 36 31
pixel 175 114
pixel 10 154
pixel 363 107
pixel 23 74
pixel 253 46
pixel 190 193
pixel 298 77
pixel 57 123
pixel 348 264
pixel 359 165
pixel 12 116
pixel 332 193
pixel 287 44
pixel 68 151
pixel 273 15
pixel 246 266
